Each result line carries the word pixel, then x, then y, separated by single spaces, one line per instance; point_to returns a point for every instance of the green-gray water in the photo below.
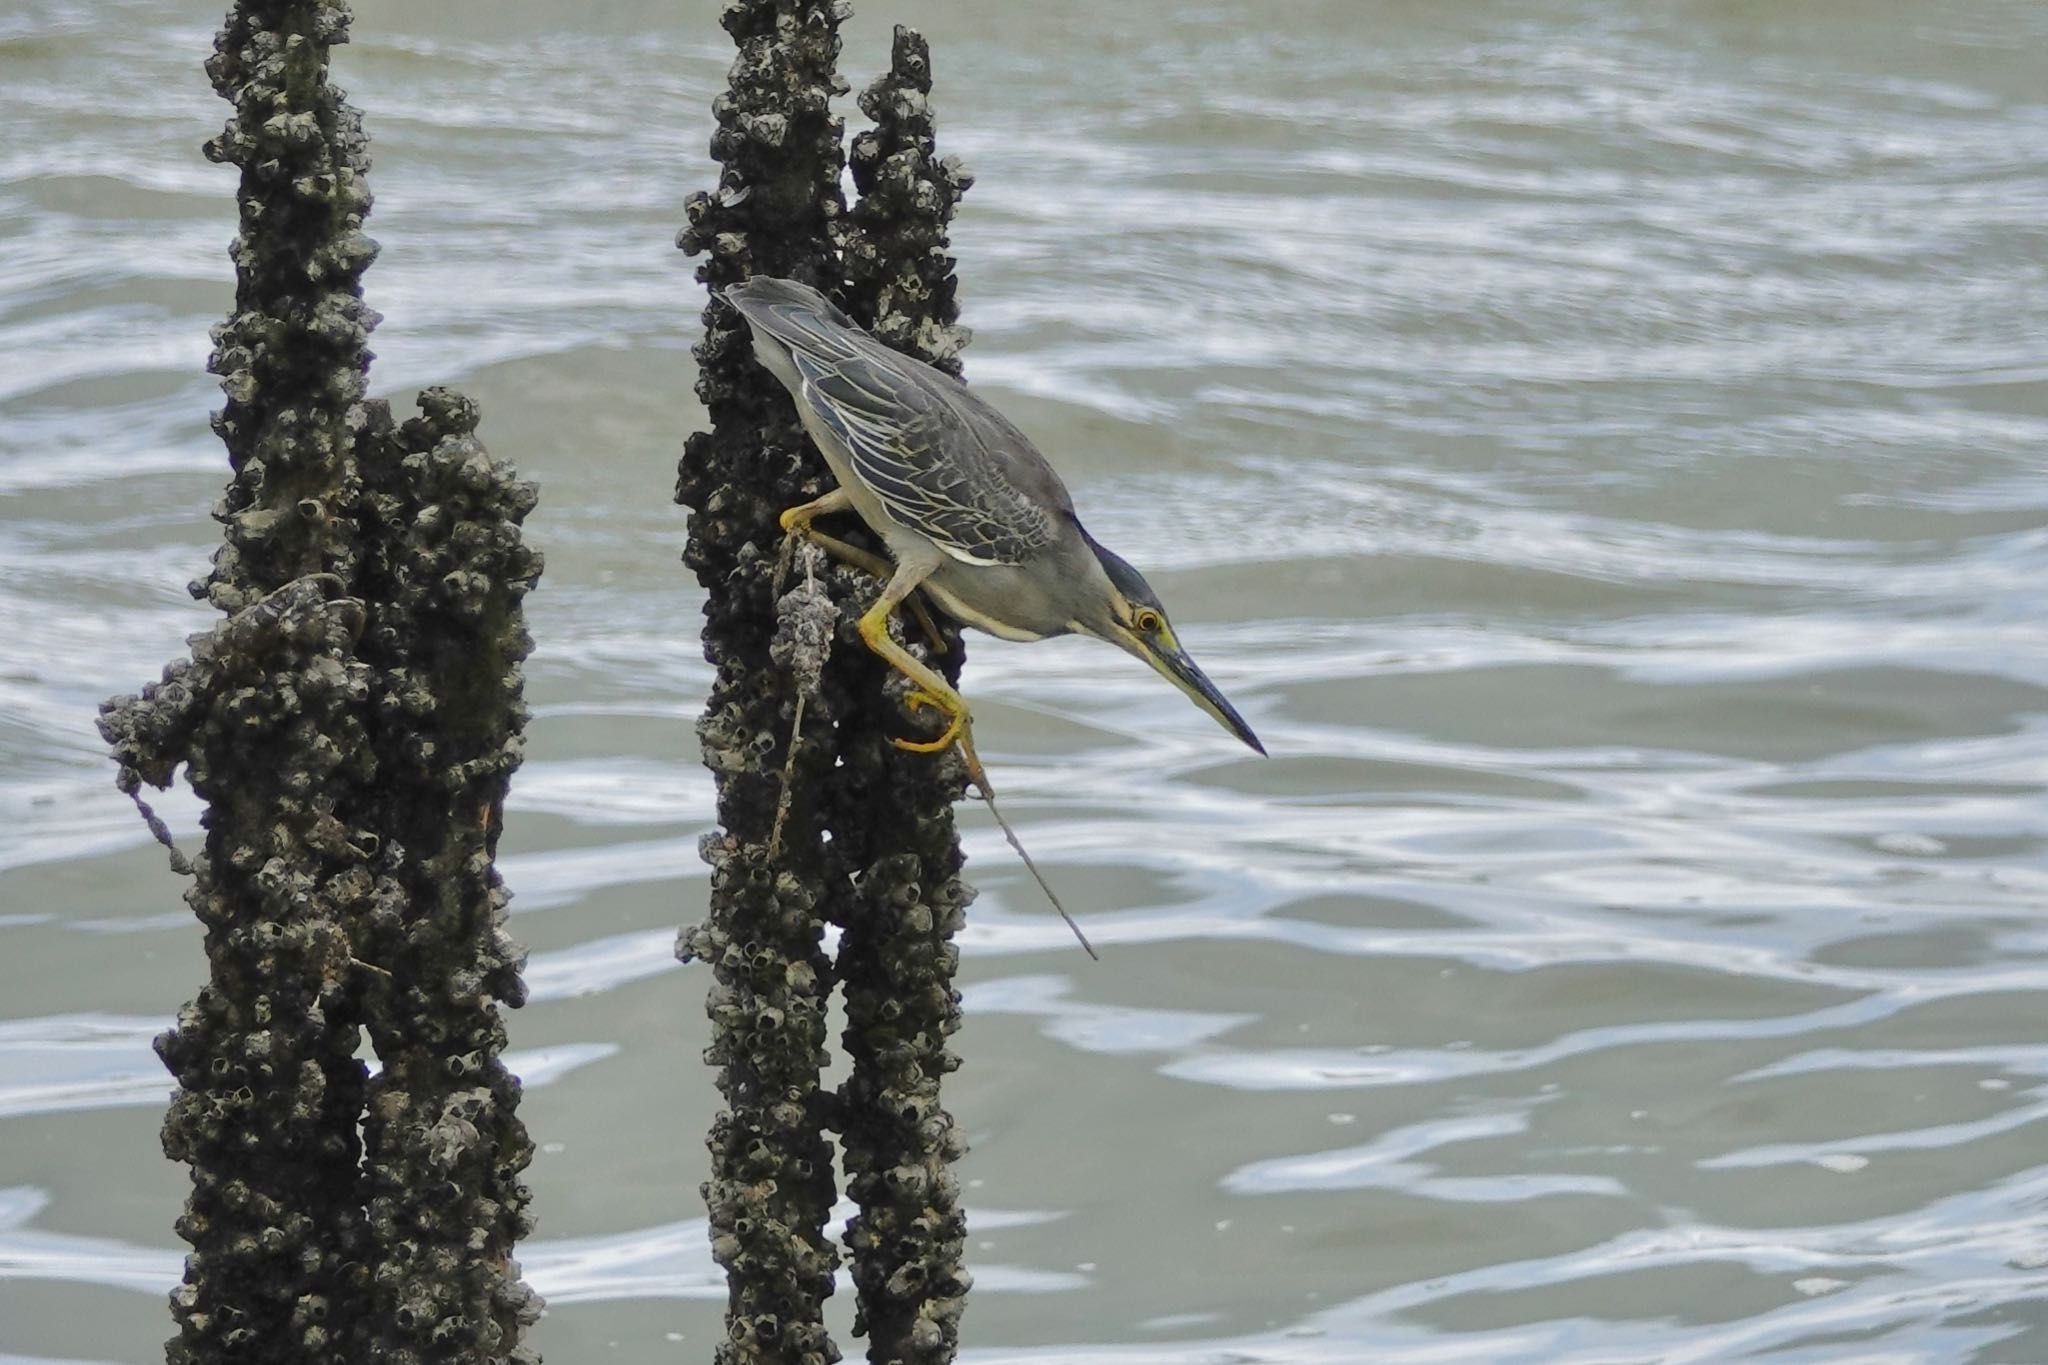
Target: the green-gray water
pixel 1599 446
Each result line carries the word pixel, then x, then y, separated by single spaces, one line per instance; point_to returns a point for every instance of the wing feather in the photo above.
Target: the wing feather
pixel 922 455
pixel 938 458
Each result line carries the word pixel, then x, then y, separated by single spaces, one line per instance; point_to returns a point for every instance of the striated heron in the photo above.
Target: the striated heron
pixel 969 510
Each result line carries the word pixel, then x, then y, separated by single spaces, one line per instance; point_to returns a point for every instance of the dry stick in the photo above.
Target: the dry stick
pixel 796 730
pixel 796 720
pixel 989 799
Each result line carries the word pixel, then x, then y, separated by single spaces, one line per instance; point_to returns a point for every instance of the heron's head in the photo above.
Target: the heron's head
pixel 1131 618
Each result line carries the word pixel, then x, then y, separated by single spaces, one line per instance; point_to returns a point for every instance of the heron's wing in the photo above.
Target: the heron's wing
pixel 921 451
pixel 939 459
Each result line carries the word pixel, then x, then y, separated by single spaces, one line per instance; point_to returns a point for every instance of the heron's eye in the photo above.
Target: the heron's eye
pixel 1147 621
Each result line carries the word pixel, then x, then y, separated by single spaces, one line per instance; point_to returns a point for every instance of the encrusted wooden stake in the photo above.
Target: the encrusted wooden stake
pixel 351 726
pixel 865 838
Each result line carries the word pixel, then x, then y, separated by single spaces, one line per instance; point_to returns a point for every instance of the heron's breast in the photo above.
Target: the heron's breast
pixel 1001 599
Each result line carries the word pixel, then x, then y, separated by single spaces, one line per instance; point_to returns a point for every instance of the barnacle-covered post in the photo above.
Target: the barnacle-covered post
pixel 443 572
pixel 893 814
pixel 266 714
pixel 350 727
pixel 773 212
pixel 269 718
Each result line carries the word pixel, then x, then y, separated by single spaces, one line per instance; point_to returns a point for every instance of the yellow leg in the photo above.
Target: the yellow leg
pixel 866 560
pixel 797 521
pixel 937 692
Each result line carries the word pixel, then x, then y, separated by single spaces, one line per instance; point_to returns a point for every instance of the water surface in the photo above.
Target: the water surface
pixel 1599 447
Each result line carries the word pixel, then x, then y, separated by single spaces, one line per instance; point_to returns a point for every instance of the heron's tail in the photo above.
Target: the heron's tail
pixel 794 314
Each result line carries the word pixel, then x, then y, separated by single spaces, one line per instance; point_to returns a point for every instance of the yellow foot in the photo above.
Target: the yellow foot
pixel 919 701
pixel 959 732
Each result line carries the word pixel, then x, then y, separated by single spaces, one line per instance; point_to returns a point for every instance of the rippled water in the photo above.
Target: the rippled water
pixel 1599 445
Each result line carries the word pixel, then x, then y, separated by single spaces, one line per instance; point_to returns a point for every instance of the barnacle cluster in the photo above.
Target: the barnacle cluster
pixel 774 211
pixel 351 726
pixel 894 820
pixel 867 841
pixel 899 265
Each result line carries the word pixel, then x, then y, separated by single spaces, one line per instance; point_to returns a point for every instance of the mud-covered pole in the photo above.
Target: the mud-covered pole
pixel 350 726
pixel 893 817
pixel 773 212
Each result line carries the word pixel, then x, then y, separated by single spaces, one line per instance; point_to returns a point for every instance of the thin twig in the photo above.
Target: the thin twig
pixel 807 671
pixel 989 799
pixel 796 729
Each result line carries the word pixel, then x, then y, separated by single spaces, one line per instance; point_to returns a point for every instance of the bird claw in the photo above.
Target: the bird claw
pixel 922 701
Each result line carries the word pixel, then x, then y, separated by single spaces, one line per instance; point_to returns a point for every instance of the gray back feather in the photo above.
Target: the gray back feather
pixel 937 457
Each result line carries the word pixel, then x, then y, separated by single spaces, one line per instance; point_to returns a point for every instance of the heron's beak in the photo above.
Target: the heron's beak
pixel 1165 654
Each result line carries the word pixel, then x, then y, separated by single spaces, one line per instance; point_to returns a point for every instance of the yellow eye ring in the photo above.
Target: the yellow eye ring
pixel 1147 621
